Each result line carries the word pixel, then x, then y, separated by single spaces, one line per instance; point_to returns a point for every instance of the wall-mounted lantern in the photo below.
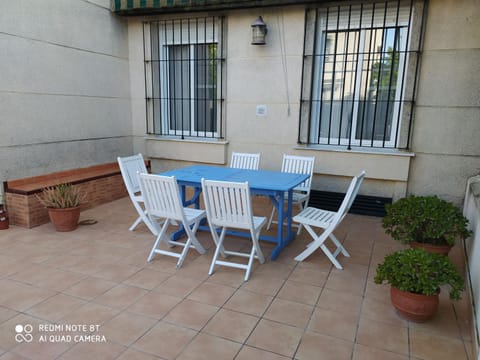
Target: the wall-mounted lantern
pixel 259 30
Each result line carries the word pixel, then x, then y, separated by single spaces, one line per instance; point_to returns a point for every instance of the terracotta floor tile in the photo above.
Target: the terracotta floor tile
pixel 251 353
pixel 6 314
pixel 383 336
pixel 191 314
pixel 263 283
pixel 275 270
pixel 89 288
pixel 178 286
pixel 230 277
pixel 322 347
pixel 154 305
pixel 346 283
pixel 18 296
pixel 42 350
pixel 299 292
pixel 147 279
pixel 117 272
pixel 126 328
pixel 339 301
pixel 231 325
pixel 120 296
pixel 362 352
pixel 211 293
pixel 165 340
pixel 336 324
pixel 289 312
pixel 207 347
pixel 382 312
pixel 308 276
pixel 8 330
pixel 275 337
pixel 56 307
pixel 248 302
pixel 90 313
pixel 104 351
pixel 132 354
pixel 426 345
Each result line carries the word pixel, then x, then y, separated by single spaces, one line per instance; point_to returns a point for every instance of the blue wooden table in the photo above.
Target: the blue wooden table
pixel 274 184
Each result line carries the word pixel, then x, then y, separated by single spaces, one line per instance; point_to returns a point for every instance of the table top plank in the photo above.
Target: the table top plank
pixel 257 179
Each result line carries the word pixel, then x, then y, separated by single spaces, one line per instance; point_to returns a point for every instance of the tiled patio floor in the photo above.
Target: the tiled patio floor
pixel 98 275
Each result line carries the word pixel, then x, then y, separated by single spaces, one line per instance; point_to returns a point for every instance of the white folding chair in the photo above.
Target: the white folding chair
pixel 245 161
pixel 129 166
pixel 162 201
pixel 229 205
pixel 328 221
pixel 301 193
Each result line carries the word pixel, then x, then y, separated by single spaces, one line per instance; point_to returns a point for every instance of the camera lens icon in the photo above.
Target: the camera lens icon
pixel 23 333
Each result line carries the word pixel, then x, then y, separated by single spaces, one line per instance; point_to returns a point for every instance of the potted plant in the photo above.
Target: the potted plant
pixel 415 276
pixel 425 221
pixel 63 205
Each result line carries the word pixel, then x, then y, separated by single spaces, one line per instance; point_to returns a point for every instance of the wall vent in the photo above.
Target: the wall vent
pixel 363 205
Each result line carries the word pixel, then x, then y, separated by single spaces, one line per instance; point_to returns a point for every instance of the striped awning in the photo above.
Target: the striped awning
pixel 143 7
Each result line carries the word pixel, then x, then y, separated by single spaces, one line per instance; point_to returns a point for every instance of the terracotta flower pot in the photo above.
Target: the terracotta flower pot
pixel 64 219
pixel 435 249
pixel 414 307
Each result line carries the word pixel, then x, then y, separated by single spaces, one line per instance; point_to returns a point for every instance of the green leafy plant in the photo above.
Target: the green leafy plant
pixel 419 272
pixel 425 219
pixel 61 196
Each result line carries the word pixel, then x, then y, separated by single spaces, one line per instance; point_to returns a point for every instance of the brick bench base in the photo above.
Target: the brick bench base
pixel 101 184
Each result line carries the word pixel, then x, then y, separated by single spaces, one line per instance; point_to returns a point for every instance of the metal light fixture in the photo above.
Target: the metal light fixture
pixel 259 30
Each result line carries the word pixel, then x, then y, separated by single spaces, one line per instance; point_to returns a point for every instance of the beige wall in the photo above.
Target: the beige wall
pixel 64 90
pixel 445 150
pixel 447 119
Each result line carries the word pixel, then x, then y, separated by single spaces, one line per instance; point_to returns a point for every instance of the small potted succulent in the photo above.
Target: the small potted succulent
pixel 63 204
pixel 415 277
pixel 425 221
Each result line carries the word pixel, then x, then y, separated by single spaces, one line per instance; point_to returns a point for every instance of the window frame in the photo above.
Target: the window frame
pixel 317 28
pixel 191 32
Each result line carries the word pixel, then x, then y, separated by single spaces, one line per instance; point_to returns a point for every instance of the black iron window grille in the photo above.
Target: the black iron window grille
pixel 359 74
pixel 184 77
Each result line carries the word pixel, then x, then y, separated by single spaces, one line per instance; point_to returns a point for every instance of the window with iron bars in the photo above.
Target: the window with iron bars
pixel 184 77
pixel 359 74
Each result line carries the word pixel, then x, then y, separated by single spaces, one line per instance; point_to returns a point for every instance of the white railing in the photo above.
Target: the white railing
pixel 471 210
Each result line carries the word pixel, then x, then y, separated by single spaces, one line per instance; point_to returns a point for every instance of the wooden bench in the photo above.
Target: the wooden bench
pixel 101 184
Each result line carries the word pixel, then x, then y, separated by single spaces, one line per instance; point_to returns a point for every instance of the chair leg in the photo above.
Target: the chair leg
pixel 339 246
pixel 192 238
pixel 270 220
pixel 159 239
pixel 184 252
pixel 135 224
pixel 319 242
pixel 299 230
pixel 255 251
pixel 219 247
pixel 143 217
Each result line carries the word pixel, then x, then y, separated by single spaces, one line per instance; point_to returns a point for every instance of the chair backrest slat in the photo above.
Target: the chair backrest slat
pixel 350 195
pixel 245 161
pixel 129 166
pixel 161 195
pixel 300 165
pixel 228 203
